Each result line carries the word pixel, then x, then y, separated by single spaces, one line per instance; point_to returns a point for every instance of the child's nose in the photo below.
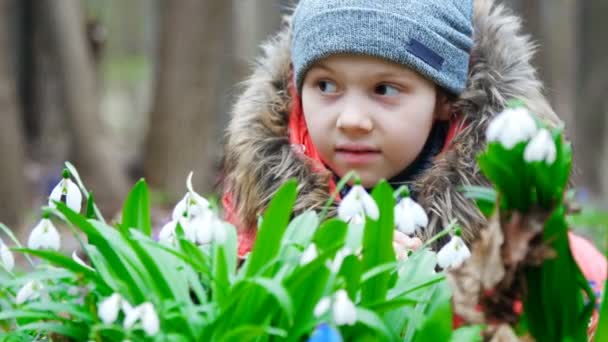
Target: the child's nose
pixel 355 118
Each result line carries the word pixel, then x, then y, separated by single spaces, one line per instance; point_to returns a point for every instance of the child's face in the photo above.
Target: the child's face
pixel 369 115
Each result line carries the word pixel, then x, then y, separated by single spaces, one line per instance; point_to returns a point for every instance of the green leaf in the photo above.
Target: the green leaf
pixel 251 332
pixel 554 302
pixel 306 286
pixel 221 276
pixel 351 272
pixel 61 260
pixel 75 311
pixel 271 232
pixel 468 334
pixel 90 208
pixel 371 320
pixel 68 330
pixel 438 325
pixel 278 292
pixel 152 266
pixel 136 210
pixel 330 235
pixel 602 327
pixel 378 244
pixel 109 244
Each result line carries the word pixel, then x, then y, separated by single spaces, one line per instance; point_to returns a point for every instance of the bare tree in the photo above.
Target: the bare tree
pixel 92 154
pixel 189 87
pixel 12 185
pixel 593 96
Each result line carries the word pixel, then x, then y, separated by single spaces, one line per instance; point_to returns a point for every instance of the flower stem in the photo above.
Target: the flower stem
pixel 334 195
pixel 452 226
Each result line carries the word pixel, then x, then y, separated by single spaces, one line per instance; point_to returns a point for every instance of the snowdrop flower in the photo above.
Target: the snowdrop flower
pixel 44 236
pixel 453 254
pixel 109 308
pixel 68 192
pixel 6 257
pixel 357 202
pixel 29 291
pixel 410 217
pixel 541 148
pixel 192 205
pixel 309 254
pixel 146 314
pixel 344 311
pixel 512 126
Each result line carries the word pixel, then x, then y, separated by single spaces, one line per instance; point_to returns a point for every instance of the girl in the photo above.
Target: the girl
pixel 395 89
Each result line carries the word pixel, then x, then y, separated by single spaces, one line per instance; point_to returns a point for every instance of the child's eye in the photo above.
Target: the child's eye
pixel 386 90
pixel 327 87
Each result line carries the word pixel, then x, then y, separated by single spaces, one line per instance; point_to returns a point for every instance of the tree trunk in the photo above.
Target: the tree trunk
pixel 183 123
pixel 12 184
pixel 92 154
pixel 593 97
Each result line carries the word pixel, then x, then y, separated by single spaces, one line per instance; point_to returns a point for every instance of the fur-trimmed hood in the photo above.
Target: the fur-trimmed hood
pixel 259 158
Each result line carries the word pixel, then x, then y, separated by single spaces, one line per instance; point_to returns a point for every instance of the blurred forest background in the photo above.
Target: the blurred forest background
pixel 142 88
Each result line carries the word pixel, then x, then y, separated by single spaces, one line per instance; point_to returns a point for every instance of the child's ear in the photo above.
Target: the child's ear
pixel 443 107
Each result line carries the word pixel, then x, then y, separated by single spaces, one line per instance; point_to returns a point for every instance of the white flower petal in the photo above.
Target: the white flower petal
pixel 495 127
pixel 409 216
pixel 350 206
pixel 541 148
pixel 219 232
pixel 56 193
pixel 8 261
pixel 131 316
pixel 149 319
pixel 370 206
pixel 357 202
pixel 167 231
pixel 29 291
pixel 109 308
pixel 322 307
pixel 126 306
pixel 180 208
pixel 73 196
pixel 453 254
pixel 309 254
pixel 202 229
pixel 44 236
pixel 512 126
pixel 344 311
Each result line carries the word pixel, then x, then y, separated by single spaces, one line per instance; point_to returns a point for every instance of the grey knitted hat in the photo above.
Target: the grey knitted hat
pixel 432 37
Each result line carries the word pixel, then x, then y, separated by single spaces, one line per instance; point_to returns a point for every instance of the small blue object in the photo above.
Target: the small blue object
pixel 325 333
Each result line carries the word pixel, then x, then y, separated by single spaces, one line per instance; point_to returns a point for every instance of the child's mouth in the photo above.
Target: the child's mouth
pixel 356 154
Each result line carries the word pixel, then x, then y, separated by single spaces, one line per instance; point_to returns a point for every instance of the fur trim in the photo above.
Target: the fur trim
pixel 258 157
